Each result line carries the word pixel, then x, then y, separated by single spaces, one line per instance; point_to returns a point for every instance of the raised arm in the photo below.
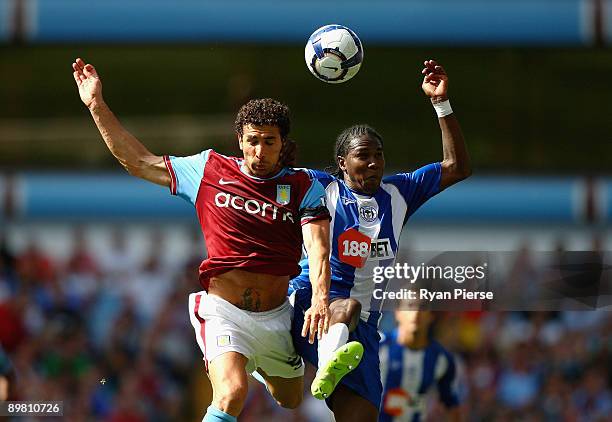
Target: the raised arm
pixel 132 154
pixel 456 162
pixel 316 242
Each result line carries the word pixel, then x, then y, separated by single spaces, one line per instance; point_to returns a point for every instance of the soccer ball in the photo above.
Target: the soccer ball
pixel 333 54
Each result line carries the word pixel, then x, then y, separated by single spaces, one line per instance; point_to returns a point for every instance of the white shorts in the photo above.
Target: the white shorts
pixel 264 338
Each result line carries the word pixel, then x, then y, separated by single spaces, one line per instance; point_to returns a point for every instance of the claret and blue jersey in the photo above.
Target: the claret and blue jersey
pixel 366 231
pixel 248 223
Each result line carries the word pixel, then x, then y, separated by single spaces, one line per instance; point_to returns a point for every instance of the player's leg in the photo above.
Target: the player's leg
pixel 346 311
pixel 358 396
pixel 344 318
pixel 288 392
pixel 217 325
pixel 341 360
pixel 227 373
pixel 336 357
pixel 279 367
pixel 348 406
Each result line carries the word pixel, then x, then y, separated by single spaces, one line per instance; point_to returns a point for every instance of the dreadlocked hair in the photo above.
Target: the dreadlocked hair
pixel 343 142
pixel 269 112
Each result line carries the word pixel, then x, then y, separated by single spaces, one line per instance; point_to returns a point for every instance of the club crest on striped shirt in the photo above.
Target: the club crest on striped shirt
pixel 368 213
pixel 283 194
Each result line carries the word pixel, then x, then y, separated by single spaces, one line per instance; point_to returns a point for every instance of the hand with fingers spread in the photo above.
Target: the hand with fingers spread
pixel 88 82
pixel 435 81
pixel 316 318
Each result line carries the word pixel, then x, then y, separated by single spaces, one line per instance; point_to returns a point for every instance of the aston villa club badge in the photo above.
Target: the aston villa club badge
pixel 283 194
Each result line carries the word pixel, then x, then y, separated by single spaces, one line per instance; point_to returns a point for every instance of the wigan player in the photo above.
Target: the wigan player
pixel 368 213
pixel 413 365
pixel 254 212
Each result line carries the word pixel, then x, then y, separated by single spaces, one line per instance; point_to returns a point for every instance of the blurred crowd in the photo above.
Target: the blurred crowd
pixel 532 366
pixel 106 334
pixel 109 335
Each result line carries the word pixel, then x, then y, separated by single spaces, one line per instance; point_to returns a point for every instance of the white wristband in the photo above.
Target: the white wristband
pixel 443 108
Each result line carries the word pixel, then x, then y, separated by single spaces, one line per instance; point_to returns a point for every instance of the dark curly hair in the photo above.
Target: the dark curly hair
pixel 267 111
pixel 343 141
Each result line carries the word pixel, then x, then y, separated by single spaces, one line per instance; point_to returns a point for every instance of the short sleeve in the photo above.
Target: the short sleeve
pixel 313 206
pixel 186 174
pixel 418 186
pixel 323 177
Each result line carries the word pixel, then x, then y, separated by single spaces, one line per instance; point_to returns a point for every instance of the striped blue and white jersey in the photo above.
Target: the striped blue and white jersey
pixel 409 375
pixel 365 231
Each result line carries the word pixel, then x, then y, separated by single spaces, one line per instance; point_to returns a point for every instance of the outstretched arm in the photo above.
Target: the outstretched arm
pixel 456 163
pixel 132 154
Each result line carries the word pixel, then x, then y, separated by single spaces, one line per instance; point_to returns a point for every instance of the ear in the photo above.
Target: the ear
pixel 239 141
pixel 341 163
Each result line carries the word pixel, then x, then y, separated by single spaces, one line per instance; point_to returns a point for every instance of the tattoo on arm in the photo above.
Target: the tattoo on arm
pixel 250 300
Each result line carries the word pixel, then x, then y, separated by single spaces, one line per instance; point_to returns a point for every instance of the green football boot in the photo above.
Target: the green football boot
pixel 343 361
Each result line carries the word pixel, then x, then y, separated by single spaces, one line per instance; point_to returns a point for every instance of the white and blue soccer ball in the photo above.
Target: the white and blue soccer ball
pixel 333 54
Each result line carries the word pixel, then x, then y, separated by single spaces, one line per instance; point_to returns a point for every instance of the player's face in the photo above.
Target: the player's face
pixel 363 165
pixel 412 324
pixel 261 147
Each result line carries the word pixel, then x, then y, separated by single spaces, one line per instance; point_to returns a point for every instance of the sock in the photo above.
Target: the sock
pixel 215 415
pixel 336 336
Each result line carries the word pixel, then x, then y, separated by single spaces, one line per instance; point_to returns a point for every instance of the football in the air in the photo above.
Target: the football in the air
pixel 334 54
